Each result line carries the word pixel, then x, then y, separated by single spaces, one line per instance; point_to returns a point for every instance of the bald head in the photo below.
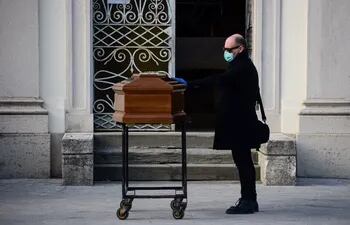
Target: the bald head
pixel 235 44
pixel 235 40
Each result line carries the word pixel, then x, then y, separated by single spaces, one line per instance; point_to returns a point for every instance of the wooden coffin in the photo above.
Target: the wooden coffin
pixel 149 98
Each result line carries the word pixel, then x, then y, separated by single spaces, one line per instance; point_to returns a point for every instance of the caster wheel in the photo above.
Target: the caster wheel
pixel 173 205
pixel 183 205
pixel 178 214
pixel 178 204
pixel 122 214
pixel 126 203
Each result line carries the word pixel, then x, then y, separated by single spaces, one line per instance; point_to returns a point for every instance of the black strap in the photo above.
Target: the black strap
pixel 263 116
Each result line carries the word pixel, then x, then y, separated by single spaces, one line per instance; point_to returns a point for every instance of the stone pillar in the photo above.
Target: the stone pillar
pixel 24 138
pixel 79 116
pixel 323 141
pixel 277 160
pixel 77 166
pixel 54 57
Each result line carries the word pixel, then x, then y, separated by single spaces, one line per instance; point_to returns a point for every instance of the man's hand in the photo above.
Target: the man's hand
pixel 180 80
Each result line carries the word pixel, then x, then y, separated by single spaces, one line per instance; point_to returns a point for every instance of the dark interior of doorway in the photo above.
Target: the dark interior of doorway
pixel 201 29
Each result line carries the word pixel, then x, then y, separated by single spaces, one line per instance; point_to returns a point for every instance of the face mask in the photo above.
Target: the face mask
pixel 229 56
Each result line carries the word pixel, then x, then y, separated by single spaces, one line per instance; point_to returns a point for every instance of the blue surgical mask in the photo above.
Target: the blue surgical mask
pixel 229 56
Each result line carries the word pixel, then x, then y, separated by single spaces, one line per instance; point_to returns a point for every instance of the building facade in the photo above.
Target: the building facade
pixel 58 60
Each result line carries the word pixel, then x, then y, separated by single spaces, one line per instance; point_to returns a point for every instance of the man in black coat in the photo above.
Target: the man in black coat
pixel 236 93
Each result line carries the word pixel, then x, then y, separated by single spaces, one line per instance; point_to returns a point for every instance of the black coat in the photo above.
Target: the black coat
pixel 235 97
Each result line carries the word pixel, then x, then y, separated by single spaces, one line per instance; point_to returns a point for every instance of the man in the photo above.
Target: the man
pixel 236 92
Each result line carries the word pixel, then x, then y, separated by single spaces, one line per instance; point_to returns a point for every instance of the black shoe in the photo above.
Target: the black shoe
pixel 243 206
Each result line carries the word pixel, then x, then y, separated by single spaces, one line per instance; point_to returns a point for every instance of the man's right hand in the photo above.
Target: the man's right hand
pixel 180 80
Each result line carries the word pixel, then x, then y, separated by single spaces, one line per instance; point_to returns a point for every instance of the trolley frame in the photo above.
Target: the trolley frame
pixel 178 205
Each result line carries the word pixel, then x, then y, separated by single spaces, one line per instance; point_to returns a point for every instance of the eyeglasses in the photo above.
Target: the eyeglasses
pixel 230 49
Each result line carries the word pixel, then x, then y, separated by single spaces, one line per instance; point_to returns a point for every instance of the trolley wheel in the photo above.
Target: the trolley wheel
pixel 122 213
pixel 173 205
pixel 178 214
pixel 177 204
pixel 126 203
pixel 183 205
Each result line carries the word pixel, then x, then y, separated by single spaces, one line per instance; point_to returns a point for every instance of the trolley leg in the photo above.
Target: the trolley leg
pixel 125 204
pixel 178 205
pixel 127 157
pixel 123 159
pixel 184 159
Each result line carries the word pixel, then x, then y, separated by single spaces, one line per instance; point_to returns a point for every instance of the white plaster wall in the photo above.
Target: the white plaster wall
pixel 268 54
pixel 54 59
pixel 293 62
pixel 323 141
pixel 19 53
pixel 266 57
pixel 329 49
pixel 24 141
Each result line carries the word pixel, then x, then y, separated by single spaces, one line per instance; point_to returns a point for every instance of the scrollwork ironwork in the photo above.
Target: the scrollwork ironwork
pixel 127 38
pixel 136 12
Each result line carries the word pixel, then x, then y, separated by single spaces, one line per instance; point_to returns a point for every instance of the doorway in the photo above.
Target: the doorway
pixel 201 29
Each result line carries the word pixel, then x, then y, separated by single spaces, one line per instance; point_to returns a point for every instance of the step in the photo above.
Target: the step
pixel 110 141
pixel 169 172
pixel 157 156
pixel 167 155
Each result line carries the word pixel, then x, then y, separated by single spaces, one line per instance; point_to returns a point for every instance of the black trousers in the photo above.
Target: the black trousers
pixel 243 160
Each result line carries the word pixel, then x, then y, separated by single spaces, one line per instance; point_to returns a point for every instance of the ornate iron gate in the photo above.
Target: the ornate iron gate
pixel 128 38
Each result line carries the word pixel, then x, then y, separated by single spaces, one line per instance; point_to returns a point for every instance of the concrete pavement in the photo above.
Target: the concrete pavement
pixel 36 202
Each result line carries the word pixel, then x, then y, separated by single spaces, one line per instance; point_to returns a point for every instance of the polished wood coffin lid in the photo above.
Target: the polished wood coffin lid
pixel 149 99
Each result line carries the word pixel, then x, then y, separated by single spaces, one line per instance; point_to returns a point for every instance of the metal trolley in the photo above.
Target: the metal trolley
pixel 129 193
